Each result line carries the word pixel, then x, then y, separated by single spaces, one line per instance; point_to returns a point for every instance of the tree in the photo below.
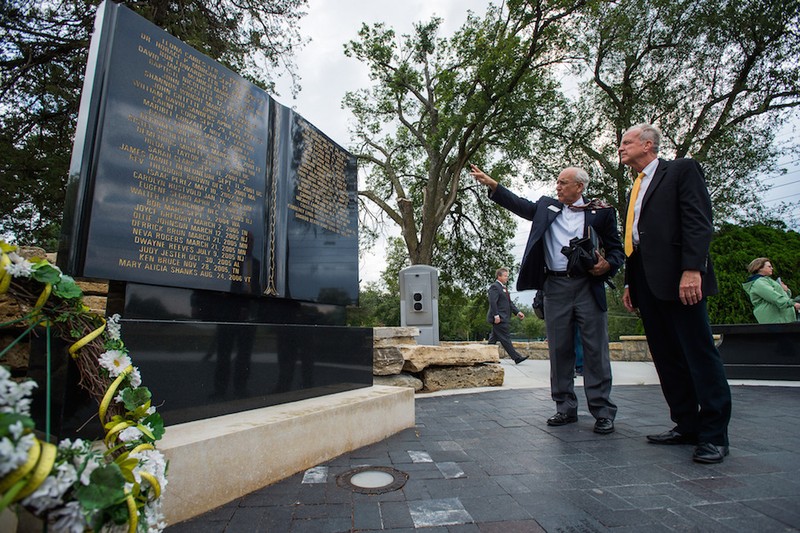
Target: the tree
pixel 531 327
pixel 42 60
pixel 436 105
pixel 376 308
pixel 717 76
pixel 732 249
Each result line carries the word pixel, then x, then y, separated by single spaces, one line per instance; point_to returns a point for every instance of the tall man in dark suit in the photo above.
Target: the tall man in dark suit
pixel 499 315
pixel 569 300
pixel 668 274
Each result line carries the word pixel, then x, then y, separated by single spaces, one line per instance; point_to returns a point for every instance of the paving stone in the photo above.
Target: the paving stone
pixel 496 508
pixel 439 512
pixel 367 515
pixel 396 515
pixel 450 470
pixel 784 510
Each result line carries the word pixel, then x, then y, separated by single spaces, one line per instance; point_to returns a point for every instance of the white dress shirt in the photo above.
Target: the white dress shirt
pixel 649 171
pixel 565 227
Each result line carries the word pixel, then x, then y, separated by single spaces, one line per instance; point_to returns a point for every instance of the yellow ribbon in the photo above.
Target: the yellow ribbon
pixel 133 514
pixel 33 456
pixel 41 459
pixel 142 447
pixel 73 350
pixel 46 461
pixel 48 288
pixel 5 277
pixel 153 482
pixel 112 389
pixel 116 429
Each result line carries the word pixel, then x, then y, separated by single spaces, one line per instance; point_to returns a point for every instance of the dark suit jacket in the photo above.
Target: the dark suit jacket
pixel 499 304
pixel 542 213
pixel 675 229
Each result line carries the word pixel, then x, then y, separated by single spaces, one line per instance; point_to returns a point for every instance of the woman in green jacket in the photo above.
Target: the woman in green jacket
pixel 772 300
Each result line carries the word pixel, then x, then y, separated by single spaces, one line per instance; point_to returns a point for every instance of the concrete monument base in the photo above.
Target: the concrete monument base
pixel 215 461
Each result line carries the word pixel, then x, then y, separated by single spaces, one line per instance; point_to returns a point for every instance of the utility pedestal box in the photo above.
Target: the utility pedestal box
pixel 419 302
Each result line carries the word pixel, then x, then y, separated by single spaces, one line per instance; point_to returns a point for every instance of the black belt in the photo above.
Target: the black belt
pixel 557 273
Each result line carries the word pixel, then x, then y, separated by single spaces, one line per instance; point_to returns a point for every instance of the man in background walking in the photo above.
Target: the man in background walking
pixel 500 309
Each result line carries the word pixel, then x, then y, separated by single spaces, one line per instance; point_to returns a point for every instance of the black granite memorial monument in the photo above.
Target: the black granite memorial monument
pixel 225 223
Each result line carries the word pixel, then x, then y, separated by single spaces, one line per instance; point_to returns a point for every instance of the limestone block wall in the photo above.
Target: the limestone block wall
pixel 628 348
pixel 399 361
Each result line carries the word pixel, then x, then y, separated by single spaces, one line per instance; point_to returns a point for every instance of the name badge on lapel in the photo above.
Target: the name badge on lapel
pixel 553 208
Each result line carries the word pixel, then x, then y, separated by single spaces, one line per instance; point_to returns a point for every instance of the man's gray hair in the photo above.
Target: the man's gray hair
pixel 580 176
pixel 500 271
pixel 649 133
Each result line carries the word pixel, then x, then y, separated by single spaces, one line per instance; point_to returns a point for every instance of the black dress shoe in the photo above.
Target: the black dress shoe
pixel 708 453
pixel 560 419
pixel 672 437
pixel 521 359
pixel 604 426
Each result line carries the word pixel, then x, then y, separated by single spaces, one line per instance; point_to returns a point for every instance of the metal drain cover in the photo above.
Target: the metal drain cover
pixel 372 479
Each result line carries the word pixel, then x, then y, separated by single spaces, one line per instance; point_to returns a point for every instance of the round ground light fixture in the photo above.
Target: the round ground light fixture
pixel 372 479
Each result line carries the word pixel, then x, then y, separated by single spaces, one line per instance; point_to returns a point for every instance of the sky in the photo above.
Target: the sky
pixel 326 74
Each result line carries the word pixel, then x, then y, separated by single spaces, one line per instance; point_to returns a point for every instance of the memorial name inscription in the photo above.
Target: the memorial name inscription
pixel 192 213
pixel 321 192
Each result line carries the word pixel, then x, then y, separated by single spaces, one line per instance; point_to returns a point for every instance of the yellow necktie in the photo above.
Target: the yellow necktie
pixel 629 219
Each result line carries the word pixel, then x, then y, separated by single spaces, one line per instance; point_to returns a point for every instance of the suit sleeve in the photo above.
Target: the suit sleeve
pixel 697 227
pixel 521 207
pixel 612 245
pixel 493 294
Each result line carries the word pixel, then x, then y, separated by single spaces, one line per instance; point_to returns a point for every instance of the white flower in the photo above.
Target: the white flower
pixel 16 429
pixel 92 464
pixel 19 267
pixel 69 519
pixel 154 516
pixel 51 492
pixel 113 328
pixel 152 462
pixel 15 397
pixel 135 378
pixel 12 455
pixel 78 445
pixel 115 361
pixel 130 433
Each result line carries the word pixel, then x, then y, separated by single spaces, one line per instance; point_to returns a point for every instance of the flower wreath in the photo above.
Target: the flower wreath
pixel 78 485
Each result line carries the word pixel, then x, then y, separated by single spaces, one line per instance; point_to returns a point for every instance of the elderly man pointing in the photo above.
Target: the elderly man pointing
pixel 570 299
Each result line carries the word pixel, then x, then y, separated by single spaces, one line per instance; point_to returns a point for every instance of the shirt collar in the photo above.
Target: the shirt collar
pixel 650 169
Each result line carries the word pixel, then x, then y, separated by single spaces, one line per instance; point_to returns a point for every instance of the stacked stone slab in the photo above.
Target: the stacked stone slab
pixel 400 361
pixel 629 348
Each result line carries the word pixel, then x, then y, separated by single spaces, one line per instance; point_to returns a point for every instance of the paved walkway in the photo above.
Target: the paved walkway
pixel 484 460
